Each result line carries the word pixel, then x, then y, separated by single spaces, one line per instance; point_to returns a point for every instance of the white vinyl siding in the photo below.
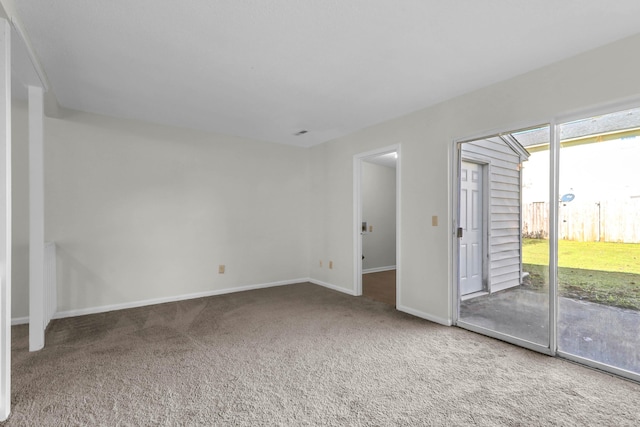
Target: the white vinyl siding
pixel 504 236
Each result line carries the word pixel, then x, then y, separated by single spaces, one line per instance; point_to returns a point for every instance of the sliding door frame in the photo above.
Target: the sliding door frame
pixel 549 349
pixel 554 195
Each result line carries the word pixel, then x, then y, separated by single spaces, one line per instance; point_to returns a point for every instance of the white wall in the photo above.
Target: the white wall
pixel 142 211
pixel 599 76
pixel 379 210
pixel 20 211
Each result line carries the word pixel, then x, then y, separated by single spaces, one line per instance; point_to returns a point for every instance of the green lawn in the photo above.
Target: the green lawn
pixel 606 273
pixel 603 256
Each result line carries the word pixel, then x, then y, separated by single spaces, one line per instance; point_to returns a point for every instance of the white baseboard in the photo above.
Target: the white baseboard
pixel 142 303
pixel 334 287
pixel 423 315
pixel 19 320
pixel 378 269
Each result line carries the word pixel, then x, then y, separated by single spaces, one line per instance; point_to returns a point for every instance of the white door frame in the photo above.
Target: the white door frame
pixel 357 216
pixel 5 219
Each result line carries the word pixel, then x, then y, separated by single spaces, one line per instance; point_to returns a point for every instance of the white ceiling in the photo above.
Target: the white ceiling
pixel 268 69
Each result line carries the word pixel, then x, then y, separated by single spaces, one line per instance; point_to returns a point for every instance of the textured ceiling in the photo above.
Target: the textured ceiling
pixel 268 69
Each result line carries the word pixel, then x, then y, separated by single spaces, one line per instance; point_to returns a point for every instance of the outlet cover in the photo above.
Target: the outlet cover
pixel 221 269
pixel 330 264
pixel 434 220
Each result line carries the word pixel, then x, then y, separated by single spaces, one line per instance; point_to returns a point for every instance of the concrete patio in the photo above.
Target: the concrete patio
pixel 593 331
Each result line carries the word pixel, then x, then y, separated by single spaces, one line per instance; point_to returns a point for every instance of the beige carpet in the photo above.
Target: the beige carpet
pixel 298 355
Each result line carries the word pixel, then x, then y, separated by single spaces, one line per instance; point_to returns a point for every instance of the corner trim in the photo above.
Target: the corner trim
pixel 423 315
pixel 333 287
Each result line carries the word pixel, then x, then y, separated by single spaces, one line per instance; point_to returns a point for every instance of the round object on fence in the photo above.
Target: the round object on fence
pixel 567 197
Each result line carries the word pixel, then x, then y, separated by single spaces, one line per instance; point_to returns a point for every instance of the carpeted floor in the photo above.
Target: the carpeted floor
pixel 380 286
pixel 297 355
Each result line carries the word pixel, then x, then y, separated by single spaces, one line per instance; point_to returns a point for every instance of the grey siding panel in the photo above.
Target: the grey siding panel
pixel 504 232
pixel 505 209
pixel 506 282
pixel 500 240
pixel 505 247
pixel 507 262
pixel 501 225
pixel 506 202
pixel 497 194
pixel 506 175
pixel 506 186
pixel 504 206
pixel 513 277
pixel 505 254
pixel 495 217
pixel 501 271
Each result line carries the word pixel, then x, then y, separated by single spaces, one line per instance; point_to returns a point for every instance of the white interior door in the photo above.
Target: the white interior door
pixel 471 253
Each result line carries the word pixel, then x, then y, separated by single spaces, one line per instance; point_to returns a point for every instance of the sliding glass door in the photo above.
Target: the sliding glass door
pixel 503 256
pixel 558 274
pixel 599 241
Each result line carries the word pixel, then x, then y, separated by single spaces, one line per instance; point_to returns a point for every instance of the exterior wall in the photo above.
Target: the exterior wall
pixel 504 236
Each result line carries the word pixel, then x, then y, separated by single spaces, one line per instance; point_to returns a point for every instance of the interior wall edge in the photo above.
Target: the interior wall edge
pixel 430 317
pixel 333 287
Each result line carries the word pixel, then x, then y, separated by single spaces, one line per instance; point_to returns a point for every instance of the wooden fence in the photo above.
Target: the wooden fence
pixel 605 221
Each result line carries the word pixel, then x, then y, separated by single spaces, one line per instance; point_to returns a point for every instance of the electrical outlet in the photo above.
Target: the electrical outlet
pixel 320 263
pixel 330 264
pixel 371 229
pixel 434 220
pixel 221 269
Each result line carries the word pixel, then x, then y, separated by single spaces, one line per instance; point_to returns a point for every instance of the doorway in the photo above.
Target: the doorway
pixel 376 219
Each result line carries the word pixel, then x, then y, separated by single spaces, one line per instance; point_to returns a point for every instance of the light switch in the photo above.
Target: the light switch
pixel 371 229
pixel 434 220
pixel 221 269
pixel 330 264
